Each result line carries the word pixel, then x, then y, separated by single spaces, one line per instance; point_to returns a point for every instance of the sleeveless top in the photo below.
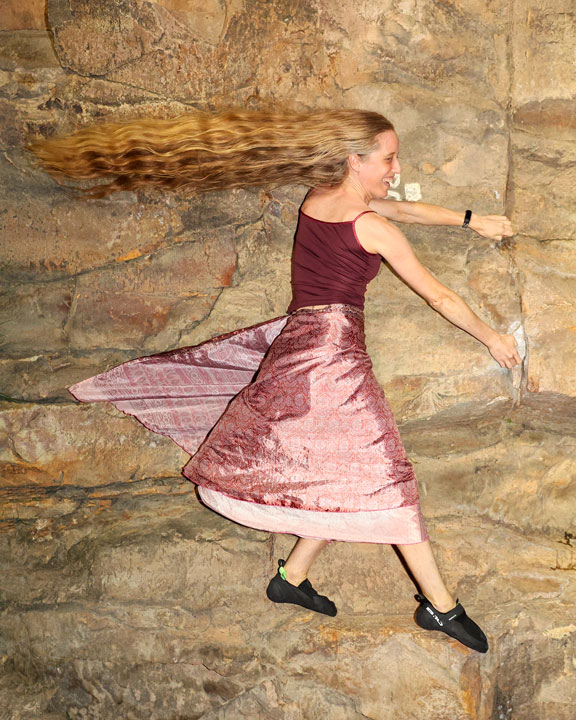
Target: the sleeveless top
pixel 329 265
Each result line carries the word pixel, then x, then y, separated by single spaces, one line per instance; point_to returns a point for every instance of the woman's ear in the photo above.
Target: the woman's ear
pixel 354 162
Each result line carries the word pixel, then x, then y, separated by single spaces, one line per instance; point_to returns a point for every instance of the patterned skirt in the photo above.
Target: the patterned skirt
pixel 286 424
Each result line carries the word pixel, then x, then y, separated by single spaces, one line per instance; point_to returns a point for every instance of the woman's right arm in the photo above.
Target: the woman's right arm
pixel 377 235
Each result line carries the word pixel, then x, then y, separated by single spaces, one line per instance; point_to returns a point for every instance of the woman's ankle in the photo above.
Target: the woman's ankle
pixel 443 602
pixel 294 575
pixel 295 578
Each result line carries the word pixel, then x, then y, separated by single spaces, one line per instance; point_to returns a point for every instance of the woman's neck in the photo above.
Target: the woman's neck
pixel 349 191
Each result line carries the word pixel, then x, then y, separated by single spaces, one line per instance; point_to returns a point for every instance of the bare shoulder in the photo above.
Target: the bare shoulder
pixel 331 206
pixel 376 234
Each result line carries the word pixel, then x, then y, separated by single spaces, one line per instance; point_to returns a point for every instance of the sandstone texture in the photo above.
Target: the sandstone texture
pixel 121 596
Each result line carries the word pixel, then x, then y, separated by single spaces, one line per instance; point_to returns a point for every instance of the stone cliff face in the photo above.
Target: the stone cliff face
pixel 122 596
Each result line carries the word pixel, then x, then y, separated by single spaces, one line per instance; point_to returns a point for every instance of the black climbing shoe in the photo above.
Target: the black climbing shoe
pixel 455 623
pixel 281 591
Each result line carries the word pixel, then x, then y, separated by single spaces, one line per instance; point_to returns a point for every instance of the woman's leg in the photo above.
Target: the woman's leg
pixel 420 559
pixel 301 558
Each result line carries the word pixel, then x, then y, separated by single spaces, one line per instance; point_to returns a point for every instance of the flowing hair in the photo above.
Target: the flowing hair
pixel 213 151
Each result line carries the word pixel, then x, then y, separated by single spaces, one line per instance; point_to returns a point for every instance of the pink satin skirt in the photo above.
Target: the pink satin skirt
pixel 286 424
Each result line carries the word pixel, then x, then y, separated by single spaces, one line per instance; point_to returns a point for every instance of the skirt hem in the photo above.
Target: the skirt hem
pixel 396 526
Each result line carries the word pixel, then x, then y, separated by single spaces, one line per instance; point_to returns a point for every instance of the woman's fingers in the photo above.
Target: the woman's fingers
pixel 505 352
pixel 507 230
pixel 510 363
pixel 494 227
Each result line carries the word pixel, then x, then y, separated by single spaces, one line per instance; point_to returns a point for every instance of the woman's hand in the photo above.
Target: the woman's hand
pixel 504 350
pixel 493 227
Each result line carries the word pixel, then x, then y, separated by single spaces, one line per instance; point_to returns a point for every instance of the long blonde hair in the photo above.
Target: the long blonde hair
pixel 214 151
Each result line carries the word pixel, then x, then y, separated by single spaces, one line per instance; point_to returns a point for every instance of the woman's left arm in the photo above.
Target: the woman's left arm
pixel 493 227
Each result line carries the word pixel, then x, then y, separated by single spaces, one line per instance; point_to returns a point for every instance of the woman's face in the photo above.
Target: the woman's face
pixel 376 170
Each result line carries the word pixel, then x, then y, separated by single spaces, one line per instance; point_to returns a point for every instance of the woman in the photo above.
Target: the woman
pixel 308 445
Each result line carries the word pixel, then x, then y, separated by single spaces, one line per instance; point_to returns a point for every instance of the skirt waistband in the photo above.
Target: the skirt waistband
pixel 332 307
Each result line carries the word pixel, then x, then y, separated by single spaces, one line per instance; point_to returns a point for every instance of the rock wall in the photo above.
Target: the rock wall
pixel 122 596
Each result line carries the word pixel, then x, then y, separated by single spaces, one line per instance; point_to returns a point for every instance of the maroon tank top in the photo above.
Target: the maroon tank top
pixel 329 265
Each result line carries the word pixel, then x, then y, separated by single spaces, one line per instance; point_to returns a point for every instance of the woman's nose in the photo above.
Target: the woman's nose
pixel 396 166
